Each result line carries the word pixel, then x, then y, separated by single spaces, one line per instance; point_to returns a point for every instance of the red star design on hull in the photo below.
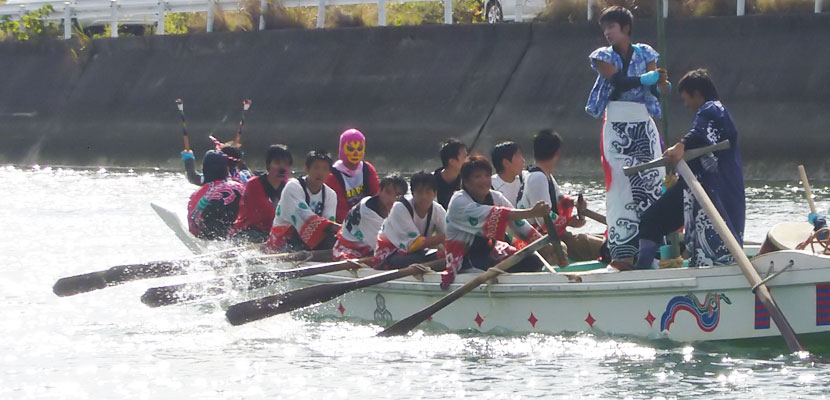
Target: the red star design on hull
pixel 533 320
pixel 590 320
pixel 650 318
pixel 479 320
pixel 341 309
pixel 429 318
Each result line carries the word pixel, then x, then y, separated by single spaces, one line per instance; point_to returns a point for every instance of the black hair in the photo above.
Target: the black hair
pixel 214 166
pixel 474 163
pixel 423 178
pixel 278 152
pixel 546 144
pixel 700 81
pixel 394 179
pixel 620 15
pixel 503 151
pixel 317 155
pixel 450 150
pixel 234 152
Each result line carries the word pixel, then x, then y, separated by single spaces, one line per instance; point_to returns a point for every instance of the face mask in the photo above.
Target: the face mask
pixel 352 146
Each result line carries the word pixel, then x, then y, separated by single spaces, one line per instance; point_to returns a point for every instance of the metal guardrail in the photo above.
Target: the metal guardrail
pixel 152 12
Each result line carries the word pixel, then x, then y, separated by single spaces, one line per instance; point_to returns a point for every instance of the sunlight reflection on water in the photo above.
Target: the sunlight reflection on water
pixel 106 344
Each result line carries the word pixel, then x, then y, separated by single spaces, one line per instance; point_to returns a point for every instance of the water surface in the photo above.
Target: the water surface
pixel 106 344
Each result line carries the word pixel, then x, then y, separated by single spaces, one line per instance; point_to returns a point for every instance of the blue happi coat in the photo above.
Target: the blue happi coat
pixel 721 175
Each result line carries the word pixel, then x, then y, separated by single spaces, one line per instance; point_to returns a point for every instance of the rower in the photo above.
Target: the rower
pixel 416 224
pixel 541 186
pixel 358 237
pixel 262 194
pixel 477 221
pixel 453 154
pixel 720 173
pixel 510 176
pixel 305 214
pixel 626 94
pixel 352 178
pixel 213 208
pixel 237 170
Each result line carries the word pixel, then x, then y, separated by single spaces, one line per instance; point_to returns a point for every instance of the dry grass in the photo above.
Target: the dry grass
pixel 780 6
pixel 574 10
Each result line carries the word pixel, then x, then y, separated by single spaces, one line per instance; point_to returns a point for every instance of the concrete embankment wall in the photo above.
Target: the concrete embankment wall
pixel 110 101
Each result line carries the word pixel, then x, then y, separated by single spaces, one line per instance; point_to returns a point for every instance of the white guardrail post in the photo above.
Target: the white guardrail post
pixel 113 18
pixel 591 9
pixel 160 22
pixel 448 12
pixel 210 16
pixel 665 8
pixel 818 6
pixel 741 7
pixel 381 12
pixel 518 8
pixel 321 14
pixel 263 8
pixel 67 20
pixel 20 13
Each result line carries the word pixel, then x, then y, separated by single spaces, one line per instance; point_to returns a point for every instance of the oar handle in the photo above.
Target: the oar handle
pixel 688 155
pixel 740 257
pixel 807 190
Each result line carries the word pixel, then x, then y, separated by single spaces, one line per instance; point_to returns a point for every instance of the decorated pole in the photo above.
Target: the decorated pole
pixel 180 106
pixel 246 105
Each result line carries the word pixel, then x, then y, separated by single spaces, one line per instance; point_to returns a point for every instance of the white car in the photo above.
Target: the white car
pixel 512 10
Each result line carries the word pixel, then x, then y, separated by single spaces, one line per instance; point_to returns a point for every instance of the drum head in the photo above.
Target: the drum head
pixel 788 235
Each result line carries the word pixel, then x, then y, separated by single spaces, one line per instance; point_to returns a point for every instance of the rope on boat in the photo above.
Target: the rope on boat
pixel 821 238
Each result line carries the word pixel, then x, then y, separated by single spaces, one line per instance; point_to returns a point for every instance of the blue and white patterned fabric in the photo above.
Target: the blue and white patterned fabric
pixel 600 93
pixel 721 175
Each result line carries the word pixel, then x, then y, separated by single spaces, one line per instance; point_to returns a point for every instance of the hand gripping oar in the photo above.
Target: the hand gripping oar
pixel 180 106
pixel 743 262
pixel 245 106
pixel 407 324
pixel 173 294
pixel 688 155
pixel 117 275
pixel 255 310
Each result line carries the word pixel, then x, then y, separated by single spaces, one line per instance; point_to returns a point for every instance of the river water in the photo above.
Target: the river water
pixel 106 344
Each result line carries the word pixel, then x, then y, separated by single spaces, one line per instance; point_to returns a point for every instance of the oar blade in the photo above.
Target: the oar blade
pixel 78 284
pixel 254 310
pixel 181 293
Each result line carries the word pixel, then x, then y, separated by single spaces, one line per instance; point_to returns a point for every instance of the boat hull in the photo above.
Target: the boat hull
pixel 681 305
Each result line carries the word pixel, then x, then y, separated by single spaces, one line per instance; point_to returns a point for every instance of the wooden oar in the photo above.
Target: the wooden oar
pixel 751 275
pixel 595 216
pixel 117 275
pixel 180 106
pixel 173 294
pixel 689 155
pixel 407 324
pixel 807 191
pixel 265 307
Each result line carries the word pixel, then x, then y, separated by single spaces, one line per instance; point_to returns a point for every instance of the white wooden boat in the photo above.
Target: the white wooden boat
pixel 683 305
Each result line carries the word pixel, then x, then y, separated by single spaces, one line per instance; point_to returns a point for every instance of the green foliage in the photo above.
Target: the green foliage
pixel 30 27
pixel 176 23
